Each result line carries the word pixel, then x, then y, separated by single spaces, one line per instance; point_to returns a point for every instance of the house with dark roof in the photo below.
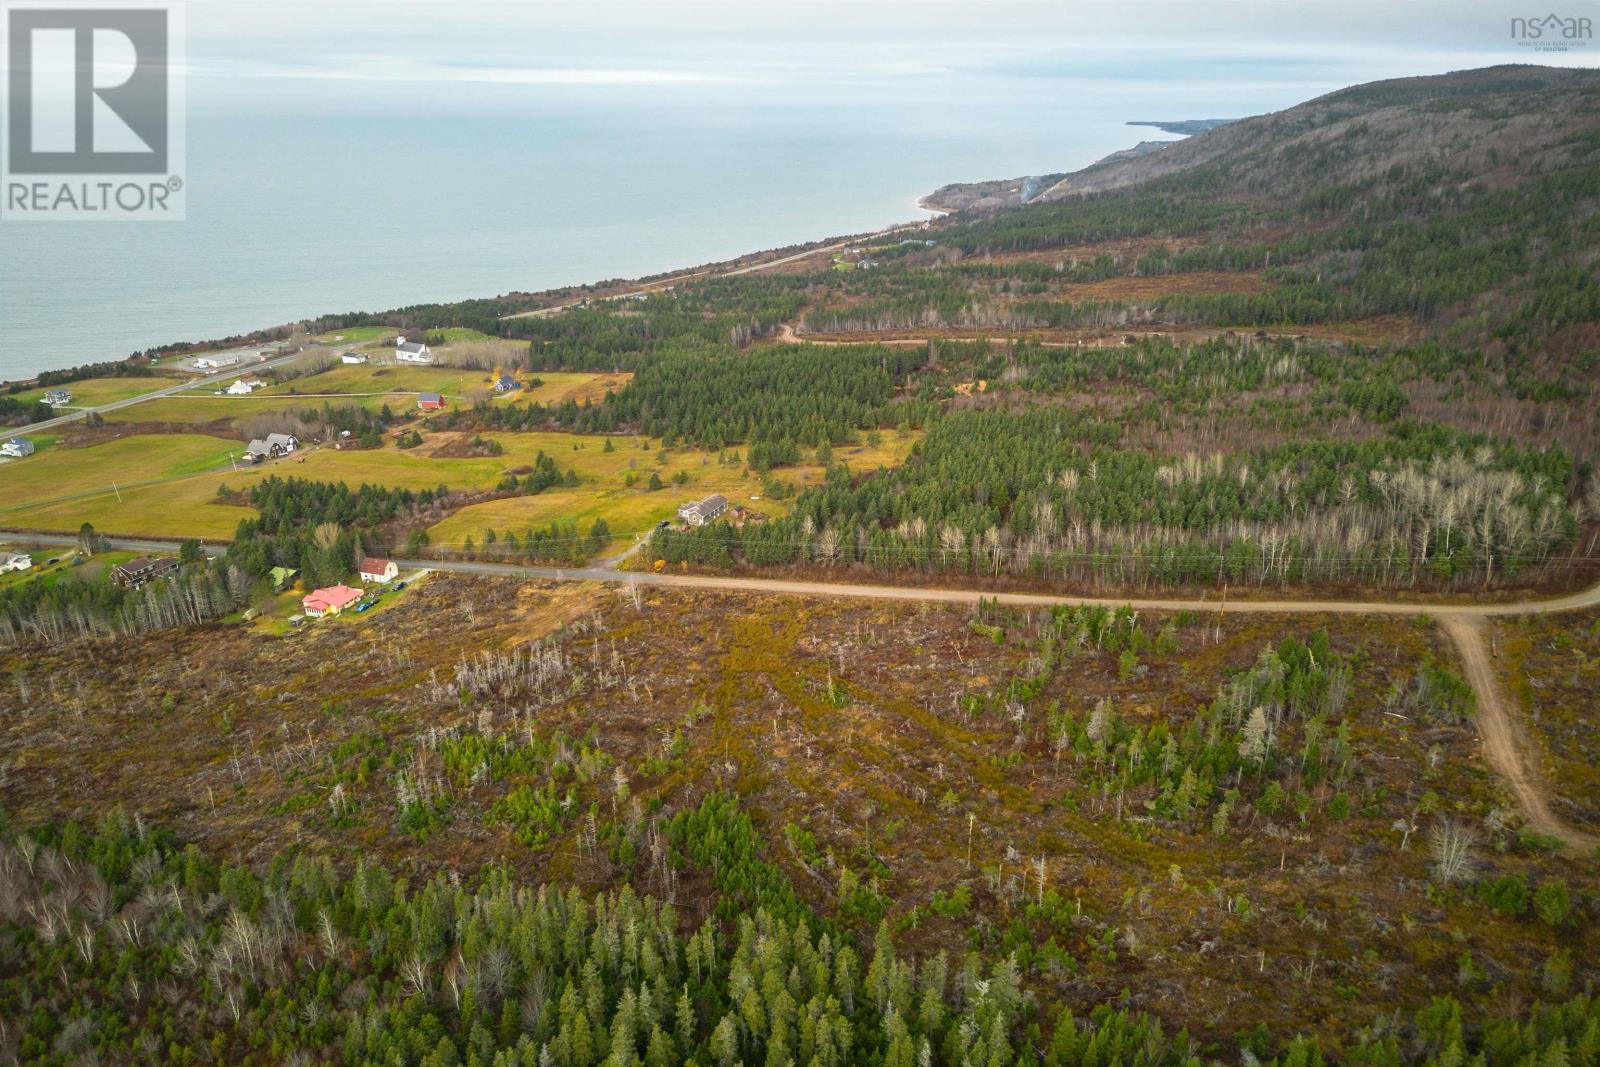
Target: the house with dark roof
pixel 17 447
pixel 429 401
pixel 141 571
pixel 412 351
pixel 505 383
pixel 271 447
pixel 703 511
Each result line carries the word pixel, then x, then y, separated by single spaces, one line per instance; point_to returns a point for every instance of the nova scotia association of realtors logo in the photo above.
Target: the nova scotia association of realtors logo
pixel 93 110
pixel 1552 32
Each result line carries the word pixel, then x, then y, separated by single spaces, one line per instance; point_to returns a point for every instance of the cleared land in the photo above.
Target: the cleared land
pixel 875 739
pixel 167 484
pixel 633 509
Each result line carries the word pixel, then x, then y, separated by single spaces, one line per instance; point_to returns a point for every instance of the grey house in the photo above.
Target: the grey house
pixel 703 511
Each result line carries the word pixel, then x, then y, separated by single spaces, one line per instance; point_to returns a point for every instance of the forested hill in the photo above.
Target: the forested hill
pixel 1465 201
pixel 1533 117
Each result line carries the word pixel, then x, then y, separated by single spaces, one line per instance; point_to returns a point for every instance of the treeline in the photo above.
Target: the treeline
pixel 806 394
pixel 122 945
pixel 622 335
pixel 558 542
pixel 14 412
pixel 1047 493
pixel 119 368
pixel 54 612
pixel 316 528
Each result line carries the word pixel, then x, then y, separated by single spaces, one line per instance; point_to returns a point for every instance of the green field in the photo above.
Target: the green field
pixel 356 335
pixel 136 485
pixel 92 392
pixel 90 570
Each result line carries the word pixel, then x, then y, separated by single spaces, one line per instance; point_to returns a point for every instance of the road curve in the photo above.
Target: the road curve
pixel 1506 745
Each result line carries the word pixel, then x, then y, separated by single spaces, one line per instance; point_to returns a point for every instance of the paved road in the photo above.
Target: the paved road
pixel 1506 745
pixel 192 383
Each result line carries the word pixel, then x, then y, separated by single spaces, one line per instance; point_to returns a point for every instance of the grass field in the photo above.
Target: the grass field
pixel 560 386
pixel 167 484
pixel 193 410
pixel 94 569
pixel 633 510
pixel 375 378
pixel 137 485
pixel 356 335
pixel 92 392
pixel 366 385
pixel 462 335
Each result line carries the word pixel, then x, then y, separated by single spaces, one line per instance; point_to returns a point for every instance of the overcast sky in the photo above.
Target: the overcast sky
pixel 1281 50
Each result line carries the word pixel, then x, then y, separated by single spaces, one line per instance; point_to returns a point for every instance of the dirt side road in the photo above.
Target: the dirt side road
pixel 1509 749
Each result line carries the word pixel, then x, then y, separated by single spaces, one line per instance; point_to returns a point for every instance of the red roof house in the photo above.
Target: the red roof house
pixel 378 570
pixel 329 601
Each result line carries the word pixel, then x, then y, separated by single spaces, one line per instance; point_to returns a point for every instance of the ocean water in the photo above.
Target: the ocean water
pixel 347 204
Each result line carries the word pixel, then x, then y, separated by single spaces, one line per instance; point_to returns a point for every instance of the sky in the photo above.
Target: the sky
pixel 279 55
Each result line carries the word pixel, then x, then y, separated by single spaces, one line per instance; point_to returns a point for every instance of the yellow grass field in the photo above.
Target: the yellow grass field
pixel 631 511
pixel 190 410
pixel 166 484
pixel 381 378
pixel 560 386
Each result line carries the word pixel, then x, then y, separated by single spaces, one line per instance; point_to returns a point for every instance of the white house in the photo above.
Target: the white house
pixel 15 561
pixel 215 362
pixel 245 386
pixel 412 351
pixel 17 447
pixel 381 571
pixel 352 358
pixel 57 397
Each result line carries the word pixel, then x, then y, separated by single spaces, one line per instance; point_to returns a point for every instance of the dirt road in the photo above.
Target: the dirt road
pixel 1507 746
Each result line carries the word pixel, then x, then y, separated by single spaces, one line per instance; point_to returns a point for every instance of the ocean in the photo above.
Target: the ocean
pixel 345 204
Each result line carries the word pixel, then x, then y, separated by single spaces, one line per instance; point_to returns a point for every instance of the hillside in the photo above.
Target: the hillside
pixel 1496 123
pixel 1151 625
